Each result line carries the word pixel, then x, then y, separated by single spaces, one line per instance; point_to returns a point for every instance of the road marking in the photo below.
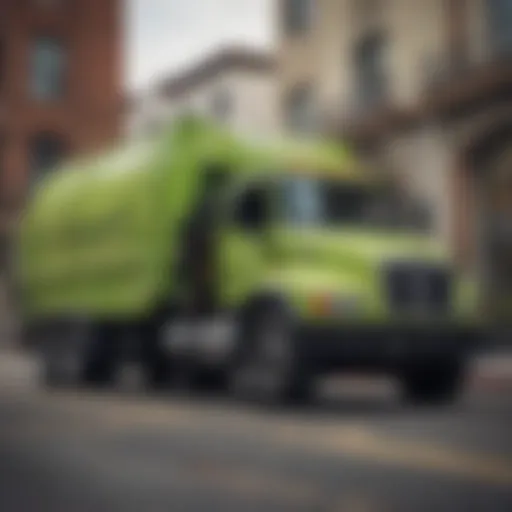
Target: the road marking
pixel 355 440
pixel 256 484
pixel 356 503
pixel 369 446
pixel 348 439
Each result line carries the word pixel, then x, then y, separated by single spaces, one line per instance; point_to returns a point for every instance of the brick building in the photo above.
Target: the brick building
pixel 60 78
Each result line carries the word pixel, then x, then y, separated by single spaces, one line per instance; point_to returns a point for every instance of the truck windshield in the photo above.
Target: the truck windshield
pixel 330 203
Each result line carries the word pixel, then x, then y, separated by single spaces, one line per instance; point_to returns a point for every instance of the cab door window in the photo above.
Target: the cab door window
pixel 252 210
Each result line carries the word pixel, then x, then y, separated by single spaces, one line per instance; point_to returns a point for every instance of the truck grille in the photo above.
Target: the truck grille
pixel 418 288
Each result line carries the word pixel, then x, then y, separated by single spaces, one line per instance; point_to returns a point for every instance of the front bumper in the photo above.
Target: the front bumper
pixel 383 347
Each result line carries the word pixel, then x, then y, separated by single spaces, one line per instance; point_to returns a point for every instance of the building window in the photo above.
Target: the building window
pixel 48 69
pixel 458 20
pixel 371 83
pixel 297 15
pixel 46 152
pixel 221 105
pixel 500 25
pixel 299 110
pixel 367 10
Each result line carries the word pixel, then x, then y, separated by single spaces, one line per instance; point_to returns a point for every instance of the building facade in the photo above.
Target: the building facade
pixel 425 88
pixel 234 86
pixel 60 82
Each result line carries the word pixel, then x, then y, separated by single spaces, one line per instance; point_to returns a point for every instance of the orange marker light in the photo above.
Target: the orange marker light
pixel 321 305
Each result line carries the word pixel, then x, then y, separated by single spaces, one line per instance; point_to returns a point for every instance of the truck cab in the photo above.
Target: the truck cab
pixel 322 271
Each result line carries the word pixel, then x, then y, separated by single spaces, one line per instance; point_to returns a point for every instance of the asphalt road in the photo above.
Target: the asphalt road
pixel 356 450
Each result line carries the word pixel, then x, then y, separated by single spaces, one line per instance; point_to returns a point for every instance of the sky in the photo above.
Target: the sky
pixel 164 36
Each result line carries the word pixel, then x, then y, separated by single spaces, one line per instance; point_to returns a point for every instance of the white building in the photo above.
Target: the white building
pixel 234 86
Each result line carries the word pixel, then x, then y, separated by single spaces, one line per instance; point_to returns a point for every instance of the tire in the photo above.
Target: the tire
pixel 48 341
pixel 434 382
pixel 207 381
pixel 79 354
pixel 268 367
pixel 55 372
pixel 61 358
pixel 156 363
pixel 101 356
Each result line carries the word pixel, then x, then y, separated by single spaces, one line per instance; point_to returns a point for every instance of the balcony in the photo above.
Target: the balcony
pixel 367 121
pixel 454 86
pixel 450 89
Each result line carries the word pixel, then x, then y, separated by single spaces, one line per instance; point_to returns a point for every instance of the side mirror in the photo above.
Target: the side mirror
pixel 251 212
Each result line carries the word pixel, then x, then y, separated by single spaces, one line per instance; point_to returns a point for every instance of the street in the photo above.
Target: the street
pixel 356 449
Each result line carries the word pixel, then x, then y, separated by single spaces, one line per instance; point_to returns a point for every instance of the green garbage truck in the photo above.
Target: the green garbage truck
pixel 252 265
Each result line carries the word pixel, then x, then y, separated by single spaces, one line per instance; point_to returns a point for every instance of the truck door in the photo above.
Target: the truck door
pixel 242 244
pixel 198 270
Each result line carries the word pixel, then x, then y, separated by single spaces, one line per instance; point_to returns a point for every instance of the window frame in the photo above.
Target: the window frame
pixel 263 184
pixel 299 107
pixel 500 34
pixel 222 103
pixel 370 75
pixel 294 21
pixel 54 92
pixel 34 143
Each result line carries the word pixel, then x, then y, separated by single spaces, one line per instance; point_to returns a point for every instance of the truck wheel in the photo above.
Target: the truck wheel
pixel 59 362
pixel 78 355
pixel 207 381
pixel 157 372
pixel 268 367
pixel 433 382
pixel 101 356
pixel 156 363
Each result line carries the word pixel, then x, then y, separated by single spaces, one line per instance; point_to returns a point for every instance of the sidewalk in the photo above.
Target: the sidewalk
pixel 493 371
